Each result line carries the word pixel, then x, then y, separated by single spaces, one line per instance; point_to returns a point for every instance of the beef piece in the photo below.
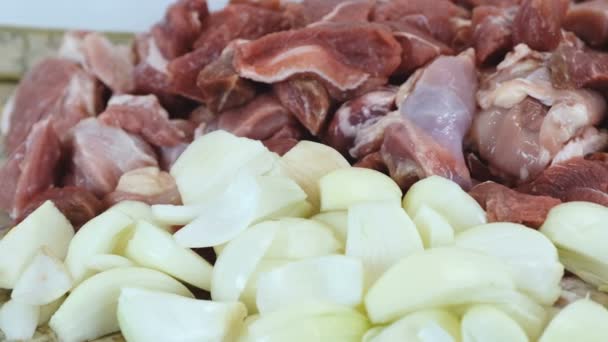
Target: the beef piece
pixel 497 3
pixel 349 122
pixel 149 185
pixel 181 26
pixel 221 86
pixel 111 64
pixel 101 154
pixel 417 44
pixel 333 52
pixel 307 99
pixel 142 115
pixel 538 23
pixel 492 32
pixel 577 179
pixel 260 119
pixel 321 11
pixel 55 88
pixel 572 66
pixel 77 204
pixel 372 161
pixel 589 21
pixel 507 205
pixel 270 4
pixel 233 22
pixel 280 146
pixel 525 120
pixel 30 169
pixel 428 140
pixel 150 73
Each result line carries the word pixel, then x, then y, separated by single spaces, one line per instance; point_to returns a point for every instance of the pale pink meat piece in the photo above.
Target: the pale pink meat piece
pixel 270 4
pixel 435 116
pixel 372 161
pixel 111 64
pixel 574 66
pixel 333 52
pixel 142 115
pixel 538 23
pixel 149 185
pixel 182 25
pixel 589 21
pixel 492 32
pixel 30 169
pixel 55 88
pixel 101 154
pixel 307 99
pixel 320 11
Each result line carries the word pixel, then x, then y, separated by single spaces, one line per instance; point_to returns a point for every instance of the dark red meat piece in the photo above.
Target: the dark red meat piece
pixel 307 99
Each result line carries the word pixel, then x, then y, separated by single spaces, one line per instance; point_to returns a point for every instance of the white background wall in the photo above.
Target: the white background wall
pixel 109 15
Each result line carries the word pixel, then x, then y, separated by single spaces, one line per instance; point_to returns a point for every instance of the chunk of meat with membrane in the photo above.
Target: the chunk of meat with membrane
pixel 77 204
pixel 350 120
pixel 573 66
pixel 111 64
pixel 321 11
pixel 31 168
pixel 428 140
pixel 492 32
pixel 343 55
pixel 101 154
pixel 589 21
pixel 149 185
pixel 507 205
pixel 577 179
pixel 221 86
pixel 57 89
pixel 307 99
pixel 180 28
pixel 142 115
pixel 538 23
pixel 233 22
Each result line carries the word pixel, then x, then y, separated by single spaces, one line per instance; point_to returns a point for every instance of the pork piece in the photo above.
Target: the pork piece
pixel 260 119
pixel 350 122
pixel 181 26
pixel 538 23
pixel 321 11
pixel 270 4
pixel 111 64
pixel 428 140
pixel 55 88
pixel 77 204
pixel 435 16
pixel 497 3
pixel 221 86
pixel 307 99
pixel 30 169
pixel 280 146
pixel 573 66
pixel 168 155
pixel 492 32
pixel 372 161
pixel 589 21
pixel 101 154
pixel 525 121
pixel 417 44
pixel 150 73
pixel 149 185
pixel 142 115
pixel 577 179
pixel 507 205
pixel 343 55
pixel 233 22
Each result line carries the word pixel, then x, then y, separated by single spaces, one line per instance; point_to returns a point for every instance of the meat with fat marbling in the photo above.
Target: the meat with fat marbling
pixel 538 23
pixel 149 185
pixel 589 21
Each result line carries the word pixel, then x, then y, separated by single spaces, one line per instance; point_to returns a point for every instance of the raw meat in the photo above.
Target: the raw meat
pixel 573 66
pixel 538 23
pixel 181 26
pixel 589 20
pixel 492 32
pixel 321 11
pixel 307 99
pixel 149 185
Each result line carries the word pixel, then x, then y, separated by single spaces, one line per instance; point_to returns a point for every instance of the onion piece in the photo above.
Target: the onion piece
pixel 380 234
pixel 18 320
pixel 422 326
pixel 139 211
pixel 433 228
pixel 301 238
pixel 583 320
pixel 178 215
pixel 532 257
pixel 485 323
pixel 335 279
pixel 337 221
pixel 104 262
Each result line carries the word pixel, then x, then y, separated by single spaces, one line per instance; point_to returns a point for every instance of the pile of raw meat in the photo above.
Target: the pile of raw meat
pixel 504 97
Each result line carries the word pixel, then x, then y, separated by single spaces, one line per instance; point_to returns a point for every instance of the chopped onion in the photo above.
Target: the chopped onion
pixel 301 238
pixel 335 279
pixel 421 326
pixel 583 320
pixel 380 234
pixel 483 323
pixel 434 229
pixel 104 262
pixel 18 320
pixel 337 221
pixel 178 215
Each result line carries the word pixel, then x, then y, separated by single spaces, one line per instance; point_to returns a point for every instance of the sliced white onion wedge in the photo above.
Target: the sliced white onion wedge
pixel 155 248
pixel 532 257
pixel 89 311
pixel 210 164
pixel 44 280
pixel 337 221
pixel 46 226
pixel 583 320
pixel 277 193
pixel 302 209
pixel 301 238
pixel 18 320
pixel 104 262
pixel 446 198
pixel 344 187
pixel 335 279
pixel 98 236
pixel 239 259
pixel 179 215
pixel 421 326
pixel 380 234
pixel 48 310
pixel 483 323
pixel 434 229
pixel 139 211
pixel 146 315
pixel 578 230
pixel 308 322
pixel 433 278
pixel 248 296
